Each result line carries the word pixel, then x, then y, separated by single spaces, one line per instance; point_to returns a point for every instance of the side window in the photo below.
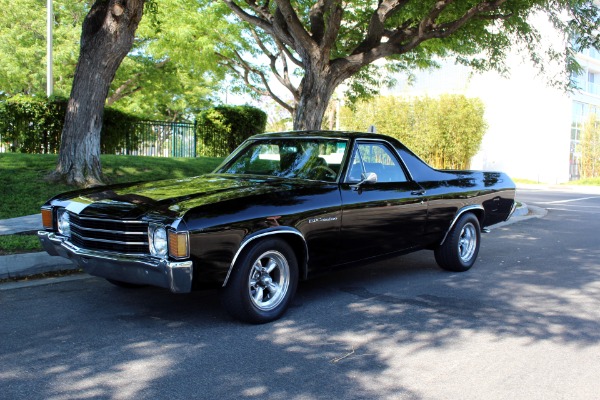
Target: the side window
pixel 377 158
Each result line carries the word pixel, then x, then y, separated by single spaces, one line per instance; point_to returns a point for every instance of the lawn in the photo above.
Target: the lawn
pixel 11 244
pixel 24 189
pixel 587 182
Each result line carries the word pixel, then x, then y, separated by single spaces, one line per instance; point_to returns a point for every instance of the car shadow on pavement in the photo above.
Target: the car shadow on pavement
pixel 368 332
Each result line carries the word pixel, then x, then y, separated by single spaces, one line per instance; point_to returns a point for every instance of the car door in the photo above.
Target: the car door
pixel 379 217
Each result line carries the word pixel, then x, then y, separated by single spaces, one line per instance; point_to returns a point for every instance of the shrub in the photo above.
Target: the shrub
pixel 119 131
pixel 221 129
pixel 32 124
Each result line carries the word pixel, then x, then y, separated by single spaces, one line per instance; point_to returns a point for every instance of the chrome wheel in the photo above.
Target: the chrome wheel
pixel 263 282
pixel 458 252
pixel 269 280
pixel 467 242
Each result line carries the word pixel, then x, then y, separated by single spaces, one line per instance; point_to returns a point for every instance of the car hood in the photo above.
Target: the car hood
pixel 168 197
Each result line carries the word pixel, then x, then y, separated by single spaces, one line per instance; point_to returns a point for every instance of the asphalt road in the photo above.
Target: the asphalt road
pixel 524 323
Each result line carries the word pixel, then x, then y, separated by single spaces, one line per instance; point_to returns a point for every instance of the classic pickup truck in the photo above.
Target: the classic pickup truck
pixel 280 209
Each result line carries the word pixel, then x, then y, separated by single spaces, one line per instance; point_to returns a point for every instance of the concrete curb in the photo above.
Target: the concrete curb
pixel 523 213
pixel 28 264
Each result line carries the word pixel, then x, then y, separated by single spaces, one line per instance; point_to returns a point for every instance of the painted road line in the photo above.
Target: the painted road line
pixel 570 200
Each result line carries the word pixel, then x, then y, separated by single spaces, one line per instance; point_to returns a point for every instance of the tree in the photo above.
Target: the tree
pixel 106 38
pixel 172 71
pixel 329 42
pixel 23 45
pixel 590 148
pixel 446 131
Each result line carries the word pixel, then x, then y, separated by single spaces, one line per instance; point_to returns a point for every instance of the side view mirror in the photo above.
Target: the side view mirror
pixel 370 178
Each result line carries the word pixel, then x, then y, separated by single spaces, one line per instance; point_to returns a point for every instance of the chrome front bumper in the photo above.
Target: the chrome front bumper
pixel 138 269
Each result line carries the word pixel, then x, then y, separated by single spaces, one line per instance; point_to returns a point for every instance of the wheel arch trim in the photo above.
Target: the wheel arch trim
pixel 459 213
pixel 261 234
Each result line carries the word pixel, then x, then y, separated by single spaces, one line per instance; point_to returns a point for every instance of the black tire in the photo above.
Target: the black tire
pixel 459 251
pixel 262 283
pixel 125 285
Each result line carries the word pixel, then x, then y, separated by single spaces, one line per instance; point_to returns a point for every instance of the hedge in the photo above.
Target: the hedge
pixel 223 128
pixel 34 125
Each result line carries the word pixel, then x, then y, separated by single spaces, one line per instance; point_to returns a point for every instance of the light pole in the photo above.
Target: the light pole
pixel 49 74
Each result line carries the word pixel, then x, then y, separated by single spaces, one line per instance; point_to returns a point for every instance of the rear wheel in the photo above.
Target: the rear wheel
pixel 459 251
pixel 262 283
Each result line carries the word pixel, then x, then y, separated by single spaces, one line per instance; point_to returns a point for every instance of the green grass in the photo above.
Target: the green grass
pixel 24 190
pixel 582 182
pixel 11 244
pixel 587 182
pixel 525 181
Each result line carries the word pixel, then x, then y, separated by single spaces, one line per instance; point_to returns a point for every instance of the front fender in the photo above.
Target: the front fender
pixel 298 243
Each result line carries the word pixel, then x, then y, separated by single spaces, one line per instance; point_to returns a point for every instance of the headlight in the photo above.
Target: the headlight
pixel 158 240
pixel 64 226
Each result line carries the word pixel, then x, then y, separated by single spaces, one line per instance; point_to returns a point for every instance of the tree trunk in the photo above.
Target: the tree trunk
pixel 106 38
pixel 315 92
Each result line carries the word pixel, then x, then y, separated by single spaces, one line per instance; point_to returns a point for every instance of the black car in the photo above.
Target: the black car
pixel 280 209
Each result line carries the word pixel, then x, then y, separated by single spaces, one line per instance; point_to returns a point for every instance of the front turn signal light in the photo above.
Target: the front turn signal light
pixel 47 222
pixel 179 244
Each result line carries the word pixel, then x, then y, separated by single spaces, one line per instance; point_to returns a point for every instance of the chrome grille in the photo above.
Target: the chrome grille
pixel 130 237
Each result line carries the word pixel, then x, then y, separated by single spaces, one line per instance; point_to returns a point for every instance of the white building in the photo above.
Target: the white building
pixel 533 129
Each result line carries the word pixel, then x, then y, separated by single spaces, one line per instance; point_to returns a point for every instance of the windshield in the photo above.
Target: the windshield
pixel 316 159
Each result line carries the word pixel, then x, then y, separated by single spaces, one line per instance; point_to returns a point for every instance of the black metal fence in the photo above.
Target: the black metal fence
pixel 175 139
pixel 161 139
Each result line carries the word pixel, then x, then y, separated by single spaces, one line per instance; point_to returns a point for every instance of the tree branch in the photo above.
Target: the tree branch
pixel 264 19
pixel 245 76
pixel 263 23
pixel 376 30
pixel 285 79
pixel 336 12
pixel 428 22
pixel 446 29
pixel 317 22
pixel 303 42
pixel 122 91
pixel 317 18
pixel 288 53
pixel 125 89
pixel 405 38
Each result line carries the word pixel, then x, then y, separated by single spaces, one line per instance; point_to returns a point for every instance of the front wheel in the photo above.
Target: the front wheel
pixel 262 283
pixel 459 251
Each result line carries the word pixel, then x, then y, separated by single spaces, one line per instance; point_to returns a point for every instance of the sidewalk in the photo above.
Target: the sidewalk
pixel 28 264
pixel 20 224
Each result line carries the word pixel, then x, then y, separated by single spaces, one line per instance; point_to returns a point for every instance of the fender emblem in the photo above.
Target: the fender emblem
pixel 327 219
